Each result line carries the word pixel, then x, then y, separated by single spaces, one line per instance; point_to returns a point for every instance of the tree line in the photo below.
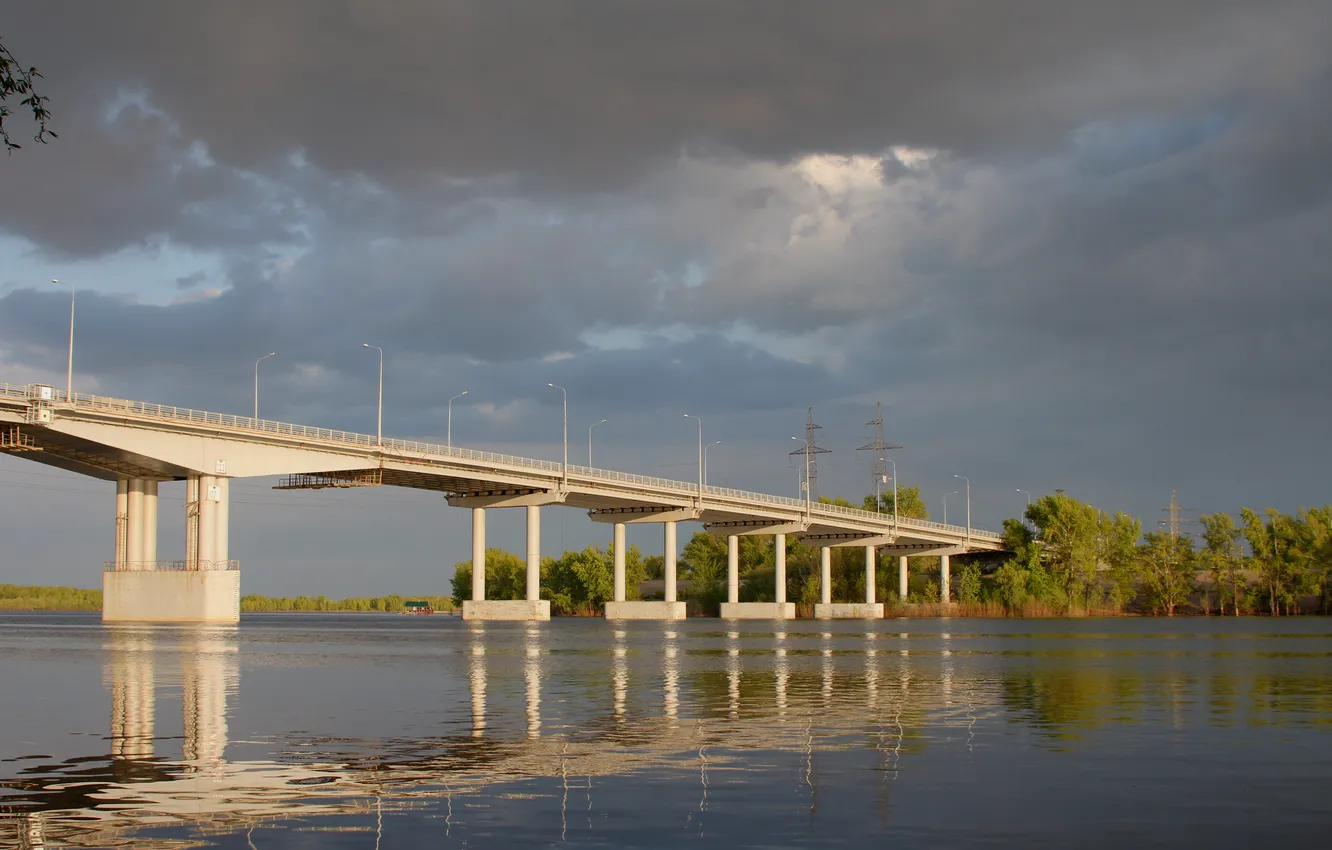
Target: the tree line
pixel 389 604
pixel 1067 558
pixel 14 597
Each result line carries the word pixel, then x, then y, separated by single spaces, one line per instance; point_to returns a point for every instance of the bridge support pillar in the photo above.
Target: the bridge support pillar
pixel 207 520
pixel 732 569
pixel 668 559
pixel 871 577
pixel 122 521
pixel 779 610
pixel 149 524
pixel 531 608
pixel 619 562
pixel 533 553
pixel 902 576
pixel 222 537
pixel 134 538
pixel 192 522
pixel 779 558
pixel 825 575
pixel 943 579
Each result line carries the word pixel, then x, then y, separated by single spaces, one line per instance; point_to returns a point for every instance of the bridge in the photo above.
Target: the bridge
pixel 138 445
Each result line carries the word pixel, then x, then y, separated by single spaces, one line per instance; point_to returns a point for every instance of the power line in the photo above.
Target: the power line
pixel 880 448
pixel 811 451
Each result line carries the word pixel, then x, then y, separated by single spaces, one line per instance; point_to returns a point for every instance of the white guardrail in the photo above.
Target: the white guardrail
pixel 104 404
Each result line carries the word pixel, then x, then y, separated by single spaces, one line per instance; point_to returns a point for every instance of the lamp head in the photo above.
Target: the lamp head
pixel 463 393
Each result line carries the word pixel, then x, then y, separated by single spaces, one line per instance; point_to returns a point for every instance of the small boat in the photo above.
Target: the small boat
pixel 416 606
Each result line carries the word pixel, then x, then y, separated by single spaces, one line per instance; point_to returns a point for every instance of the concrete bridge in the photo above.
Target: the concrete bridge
pixel 138 445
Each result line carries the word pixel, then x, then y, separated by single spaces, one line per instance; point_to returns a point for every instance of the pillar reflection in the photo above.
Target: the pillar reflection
pixel 620 674
pixel 671 678
pixel 532 674
pixel 210 674
pixel 733 674
pixel 132 671
pixel 476 674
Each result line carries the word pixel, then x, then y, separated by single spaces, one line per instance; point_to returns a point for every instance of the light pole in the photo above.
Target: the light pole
pixel 807 454
pixel 69 374
pixel 705 460
pixel 945 504
pixel 589 440
pixel 700 455
pixel 894 464
pixel 1020 490
pixel 379 419
pixel 968 480
pixel 256 380
pixel 565 394
pixel 449 436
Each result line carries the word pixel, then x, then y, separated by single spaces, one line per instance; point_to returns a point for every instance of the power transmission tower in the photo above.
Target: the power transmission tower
pixel 879 447
pixel 1175 519
pixel 810 451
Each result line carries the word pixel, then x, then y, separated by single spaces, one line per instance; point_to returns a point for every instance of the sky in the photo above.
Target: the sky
pixel 1066 245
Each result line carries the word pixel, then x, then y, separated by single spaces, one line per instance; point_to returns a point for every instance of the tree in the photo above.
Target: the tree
pixel 1068 530
pixel 1221 557
pixel 909 503
pixel 969 584
pixel 1117 552
pixel 506 577
pixel 17 82
pixel 1168 569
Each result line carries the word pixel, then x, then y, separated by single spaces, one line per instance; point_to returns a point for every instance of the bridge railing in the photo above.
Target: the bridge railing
pixel 327 435
pixel 169 566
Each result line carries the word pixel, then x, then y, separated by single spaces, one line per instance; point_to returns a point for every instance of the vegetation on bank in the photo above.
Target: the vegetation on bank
pixel 392 603
pixel 14 597
pixel 1072 560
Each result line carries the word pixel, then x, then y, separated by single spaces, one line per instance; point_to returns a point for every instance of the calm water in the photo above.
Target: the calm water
pixel 393 732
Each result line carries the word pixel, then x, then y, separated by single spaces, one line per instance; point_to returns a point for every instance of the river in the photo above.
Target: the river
pixel 389 731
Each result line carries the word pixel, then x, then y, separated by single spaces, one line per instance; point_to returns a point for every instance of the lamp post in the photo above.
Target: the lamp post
pixel 379 419
pixel 565 394
pixel 968 480
pixel 894 464
pixel 705 460
pixel 807 454
pixel 1020 490
pixel 589 440
pixel 945 504
pixel 256 380
pixel 449 436
pixel 69 373
pixel 700 455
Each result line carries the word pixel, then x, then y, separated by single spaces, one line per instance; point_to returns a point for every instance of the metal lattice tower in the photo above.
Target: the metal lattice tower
pixel 1175 519
pixel 812 451
pixel 880 447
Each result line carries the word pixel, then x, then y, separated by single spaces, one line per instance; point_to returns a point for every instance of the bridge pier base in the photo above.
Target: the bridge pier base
pixel 849 611
pixel 758 611
pixel 645 610
pixel 506 609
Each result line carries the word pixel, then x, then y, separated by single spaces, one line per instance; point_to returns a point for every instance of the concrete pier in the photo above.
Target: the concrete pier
pixel 506 609
pixel 531 608
pixel 732 569
pixel 849 611
pixel 758 611
pixel 943 579
pixel 779 580
pixel 902 590
pixel 669 557
pixel 171 596
pixel 645 610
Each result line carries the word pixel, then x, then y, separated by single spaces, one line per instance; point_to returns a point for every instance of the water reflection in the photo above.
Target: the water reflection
pixel 518 712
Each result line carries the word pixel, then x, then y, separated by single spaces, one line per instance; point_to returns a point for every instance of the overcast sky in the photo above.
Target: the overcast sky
pixel 1066 245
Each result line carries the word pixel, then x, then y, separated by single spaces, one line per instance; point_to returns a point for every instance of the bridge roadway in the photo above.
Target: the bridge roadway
pixel 138 445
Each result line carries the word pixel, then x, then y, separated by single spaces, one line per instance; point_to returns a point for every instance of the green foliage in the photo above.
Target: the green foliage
pixel 1221 557
pixel 391 603
pixel 17 82
pixel 15 597
pixel 969 584
pixel 1168 571
pixel 909 503
pixel 1069 531
pixel 506 577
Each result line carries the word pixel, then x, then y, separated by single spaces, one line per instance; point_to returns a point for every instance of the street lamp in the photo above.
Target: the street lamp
pixel 256 380
pixel 700 455
pixel 945 504
pixel 894 464
pixel 69 374
pixel 379 420
pixel 450 418
pixel 1020 490
pixel 589 440
pixel 807 454
pixel 565 393
pixel 968 480
pixel 705 460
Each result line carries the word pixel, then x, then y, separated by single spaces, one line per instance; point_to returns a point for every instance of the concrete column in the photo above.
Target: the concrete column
pixel 668 549
pixel 478 555
pixel 150 522
pixel 533 553
pixel 870 578
pixel 732 569
pixel 134 540
pixel 192 522
pixel 779 555
pixel 122 521
pixel 207 521
pixel 825 575
pixel 619 562
pixel 902 577
pixel 943 578
pixel 221 544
